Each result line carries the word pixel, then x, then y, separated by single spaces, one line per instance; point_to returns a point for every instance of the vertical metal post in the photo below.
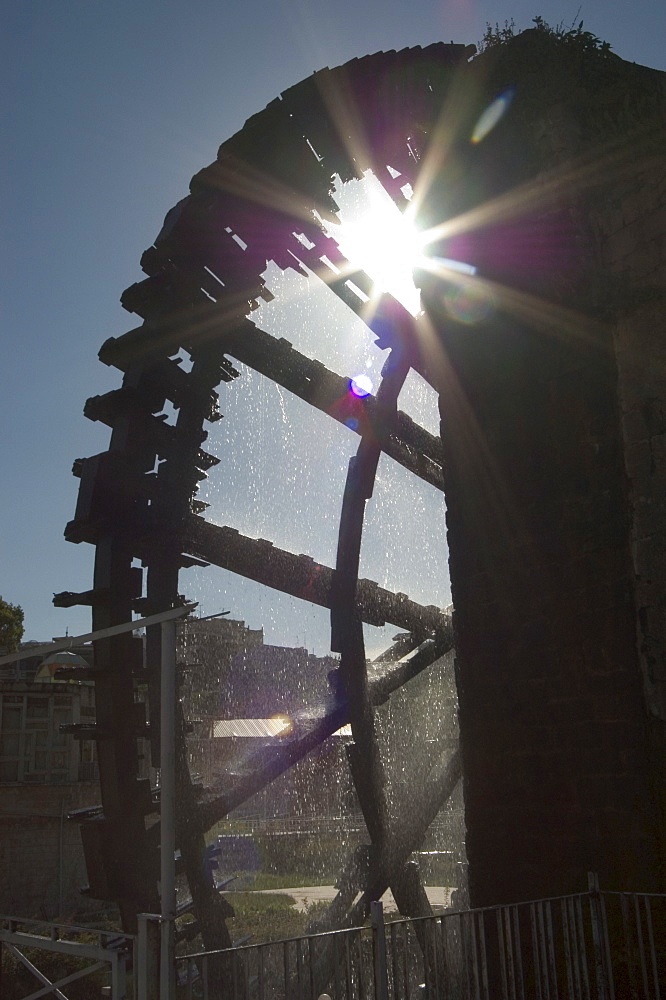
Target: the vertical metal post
pixel 61 844
pixel 598 937
pixel 118 975
pixel 168 810
pixel 379 937
pixel 147 973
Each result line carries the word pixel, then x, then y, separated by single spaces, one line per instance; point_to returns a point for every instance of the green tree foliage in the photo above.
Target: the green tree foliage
pixel 11 625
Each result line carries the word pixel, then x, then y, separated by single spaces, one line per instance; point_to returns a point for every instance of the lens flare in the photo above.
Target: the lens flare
pixel 492 115
pixel 447 264
pixel 361 385
pixel 286 725
pixel 376 237
pixel 469 304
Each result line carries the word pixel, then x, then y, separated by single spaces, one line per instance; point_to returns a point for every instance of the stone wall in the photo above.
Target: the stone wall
pixel 552 422
pixel 632 230
pixel 552 716
pixel 632 238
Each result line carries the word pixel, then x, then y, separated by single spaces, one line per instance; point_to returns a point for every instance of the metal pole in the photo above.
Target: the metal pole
pixel 597 936
pixel 379 935
pixel 103 633
pixel 61 840
pixel 168 810
pixel 148 957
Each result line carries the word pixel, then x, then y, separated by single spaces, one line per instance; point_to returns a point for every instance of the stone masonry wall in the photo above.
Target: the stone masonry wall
pixel 552 423
pixel 632 237
pixel 552 717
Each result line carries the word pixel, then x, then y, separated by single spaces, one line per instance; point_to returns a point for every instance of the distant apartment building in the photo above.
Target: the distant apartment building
pixel 44 774
pixel 34 705
pixel 205 651
pixel 234 690
pixel 233 685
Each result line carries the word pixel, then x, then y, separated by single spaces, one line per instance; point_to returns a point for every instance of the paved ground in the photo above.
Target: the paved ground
pixel 306 895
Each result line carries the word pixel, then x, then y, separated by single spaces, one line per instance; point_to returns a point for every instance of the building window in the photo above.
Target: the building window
pixel 10 745
pixel 38 708
pixel 32 749
pixel 11 718
pixel 8 770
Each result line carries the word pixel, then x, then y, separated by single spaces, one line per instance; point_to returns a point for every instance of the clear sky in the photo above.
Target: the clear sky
pixel 109 109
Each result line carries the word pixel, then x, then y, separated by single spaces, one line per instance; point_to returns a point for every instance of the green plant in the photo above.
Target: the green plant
pixel 11 625
pixel 18 982
pixel 263 918
pixel 572 36
pixel 494 36
pixel 268 917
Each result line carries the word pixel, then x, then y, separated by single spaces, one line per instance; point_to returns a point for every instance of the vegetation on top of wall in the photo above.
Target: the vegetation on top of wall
pixel 582 120
pixel 609 99
pixel 572 36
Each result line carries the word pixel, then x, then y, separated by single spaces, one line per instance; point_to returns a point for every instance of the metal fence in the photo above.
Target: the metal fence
pixel 257 825
pixel 40 959
pixel 591 946
pixel 295 969
pixel 588 946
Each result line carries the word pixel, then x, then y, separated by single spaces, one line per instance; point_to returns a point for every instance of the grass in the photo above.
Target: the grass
pixel 251 902
pixel 267 880
pixel 265 918
pixel 269 918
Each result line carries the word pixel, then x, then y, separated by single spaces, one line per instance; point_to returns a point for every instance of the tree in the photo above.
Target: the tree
pixel 11 625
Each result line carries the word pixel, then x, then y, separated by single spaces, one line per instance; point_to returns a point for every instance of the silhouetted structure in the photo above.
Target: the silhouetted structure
pixel 551 455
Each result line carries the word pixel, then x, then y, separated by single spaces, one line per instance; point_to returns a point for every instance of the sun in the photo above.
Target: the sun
pixel 375 236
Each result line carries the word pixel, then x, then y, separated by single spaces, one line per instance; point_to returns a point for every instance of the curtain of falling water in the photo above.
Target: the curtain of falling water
pixel 281 477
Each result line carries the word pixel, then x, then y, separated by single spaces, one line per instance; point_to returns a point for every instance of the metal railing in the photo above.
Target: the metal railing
pixel 315 823
pixel 635 943
pixel 293 969
pixel 296 824
pixel 588 946
pixel 80 952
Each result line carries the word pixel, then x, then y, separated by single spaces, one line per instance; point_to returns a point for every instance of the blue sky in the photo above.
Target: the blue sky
pixel 109 108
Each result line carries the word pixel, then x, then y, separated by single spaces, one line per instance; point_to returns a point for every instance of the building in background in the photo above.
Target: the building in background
pixel 205 651
pixel 244 699
pixel 240 698
pixel 44 774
